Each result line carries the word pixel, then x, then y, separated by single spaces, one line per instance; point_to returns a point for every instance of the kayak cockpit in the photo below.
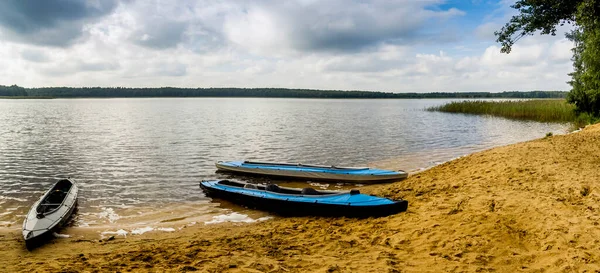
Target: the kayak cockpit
pixel 54 199
pixel 278 189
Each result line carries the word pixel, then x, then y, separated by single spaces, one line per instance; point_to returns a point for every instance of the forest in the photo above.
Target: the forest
pixel 123 92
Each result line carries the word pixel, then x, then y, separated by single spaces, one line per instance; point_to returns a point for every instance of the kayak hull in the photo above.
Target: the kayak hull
pixel 312 172
pixel 52 211
pixel 329 204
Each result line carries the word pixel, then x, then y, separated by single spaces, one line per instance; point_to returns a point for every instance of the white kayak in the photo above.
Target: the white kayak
pixel 50 212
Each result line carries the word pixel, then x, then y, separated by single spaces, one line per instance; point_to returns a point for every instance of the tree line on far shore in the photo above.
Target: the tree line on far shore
pixel 123 92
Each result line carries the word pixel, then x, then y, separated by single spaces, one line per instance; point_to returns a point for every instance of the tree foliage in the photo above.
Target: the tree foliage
pixel 544 16
pixel 536 15
pixel 12 90
pixel 584 79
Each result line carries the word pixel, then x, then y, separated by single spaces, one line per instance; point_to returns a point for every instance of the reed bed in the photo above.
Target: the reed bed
pixel 536 110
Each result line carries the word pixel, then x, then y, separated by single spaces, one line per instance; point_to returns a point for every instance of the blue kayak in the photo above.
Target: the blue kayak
pixel 312 172
pixel 303 202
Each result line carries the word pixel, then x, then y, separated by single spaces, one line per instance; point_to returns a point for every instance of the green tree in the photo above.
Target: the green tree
pixel 544 16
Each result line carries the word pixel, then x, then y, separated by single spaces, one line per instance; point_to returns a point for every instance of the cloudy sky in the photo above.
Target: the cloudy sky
pixel 382 45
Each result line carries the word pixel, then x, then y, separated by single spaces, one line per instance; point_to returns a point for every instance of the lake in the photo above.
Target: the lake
pixel 138 161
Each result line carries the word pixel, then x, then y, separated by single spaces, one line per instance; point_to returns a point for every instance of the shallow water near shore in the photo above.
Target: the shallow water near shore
pixel 138 162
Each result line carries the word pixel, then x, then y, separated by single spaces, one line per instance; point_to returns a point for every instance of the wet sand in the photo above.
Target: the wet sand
pixel 528 207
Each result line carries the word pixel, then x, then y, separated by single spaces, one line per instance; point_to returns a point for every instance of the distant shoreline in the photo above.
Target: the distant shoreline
pixel 172 92
pixel 25 97
pixel 241 97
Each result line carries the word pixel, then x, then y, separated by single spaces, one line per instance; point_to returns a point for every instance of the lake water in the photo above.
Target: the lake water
pixel 139 161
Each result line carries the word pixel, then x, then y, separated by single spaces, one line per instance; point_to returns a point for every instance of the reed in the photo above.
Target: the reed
pixel 536 110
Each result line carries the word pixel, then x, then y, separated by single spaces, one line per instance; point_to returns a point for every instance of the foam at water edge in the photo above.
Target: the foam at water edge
pixel 109 214
pixel 120 232
pixel 188 225
pixel 136 231
pixel 81 224
pixel 166 229
pixel 235 218
pixel 143 230
pixel 58 235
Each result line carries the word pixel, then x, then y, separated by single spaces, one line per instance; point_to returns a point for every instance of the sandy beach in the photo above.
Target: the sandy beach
pixel 527 207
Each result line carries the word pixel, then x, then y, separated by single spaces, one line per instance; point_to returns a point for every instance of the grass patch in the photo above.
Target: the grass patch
pixel 536 110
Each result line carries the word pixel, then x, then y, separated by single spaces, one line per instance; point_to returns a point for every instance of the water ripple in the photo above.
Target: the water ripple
pixel 132 153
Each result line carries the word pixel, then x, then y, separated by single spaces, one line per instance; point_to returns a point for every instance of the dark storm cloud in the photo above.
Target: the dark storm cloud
pixel 362 29
pixel 343 25
pixel 310 26
pixel 49 22
pixel 352 27
pixel 355 39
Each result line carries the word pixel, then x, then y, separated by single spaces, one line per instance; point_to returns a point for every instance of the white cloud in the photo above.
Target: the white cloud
pixel 34 55
pixel 560 51
pixel 486 31
pixel 520 56
pixel 50 22
pixel 256 30
pixel 400 46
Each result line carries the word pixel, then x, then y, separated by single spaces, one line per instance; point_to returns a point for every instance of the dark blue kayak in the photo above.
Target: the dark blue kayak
pixel 303 202
pixel 312 172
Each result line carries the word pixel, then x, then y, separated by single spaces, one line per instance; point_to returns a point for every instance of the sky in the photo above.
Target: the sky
pixel 377 45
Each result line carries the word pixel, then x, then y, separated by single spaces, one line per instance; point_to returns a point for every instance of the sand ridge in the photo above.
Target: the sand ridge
pixel 527 207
